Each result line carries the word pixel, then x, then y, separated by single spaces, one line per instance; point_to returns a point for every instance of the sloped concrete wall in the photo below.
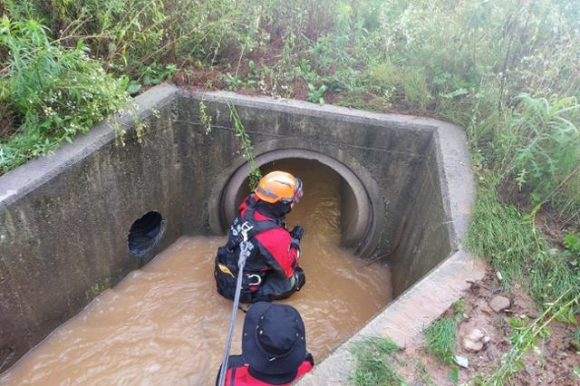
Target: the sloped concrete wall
pixel 423 236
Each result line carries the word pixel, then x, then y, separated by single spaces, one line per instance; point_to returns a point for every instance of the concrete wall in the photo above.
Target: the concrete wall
pixel 423 236
pixel 64 222
pixel 382 151
pixel 64 219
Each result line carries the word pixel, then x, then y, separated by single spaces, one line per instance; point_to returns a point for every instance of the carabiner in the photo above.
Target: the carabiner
pixel 258 277
pixel 246 227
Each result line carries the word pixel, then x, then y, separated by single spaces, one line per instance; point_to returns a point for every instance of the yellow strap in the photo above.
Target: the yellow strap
pixel 226 270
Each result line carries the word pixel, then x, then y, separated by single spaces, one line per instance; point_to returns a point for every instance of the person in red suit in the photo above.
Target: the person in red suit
pixel 272 270
pixel 273 348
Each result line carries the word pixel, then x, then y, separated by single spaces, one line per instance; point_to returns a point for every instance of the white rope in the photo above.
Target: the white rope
pixel 244 254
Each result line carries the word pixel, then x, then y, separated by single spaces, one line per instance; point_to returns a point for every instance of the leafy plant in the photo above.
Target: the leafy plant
pixel 542 144
pixel 155 74
pixel 246 145
pixel 572 243
pixel 53 91
pixel 315 94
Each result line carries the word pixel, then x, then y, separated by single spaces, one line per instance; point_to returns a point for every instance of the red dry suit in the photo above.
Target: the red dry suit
pixel 240 374
pixel 272 270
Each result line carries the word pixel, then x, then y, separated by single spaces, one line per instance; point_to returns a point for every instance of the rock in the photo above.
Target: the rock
pixel 475 335
pixel 472 346
pixel 499 303
pixel 473 340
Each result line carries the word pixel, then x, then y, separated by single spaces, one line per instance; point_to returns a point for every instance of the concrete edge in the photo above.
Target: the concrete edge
pixel 456 179
pixel 24 179
pixel 405 318
pixel 316 110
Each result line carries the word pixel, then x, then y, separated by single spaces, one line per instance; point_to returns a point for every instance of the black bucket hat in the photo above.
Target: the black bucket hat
pixel 274 339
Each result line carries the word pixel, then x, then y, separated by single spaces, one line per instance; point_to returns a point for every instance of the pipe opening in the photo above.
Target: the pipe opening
pixel 144 233
pixel 356 218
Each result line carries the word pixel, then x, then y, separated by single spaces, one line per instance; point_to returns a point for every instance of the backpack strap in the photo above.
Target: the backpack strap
pixel 250 225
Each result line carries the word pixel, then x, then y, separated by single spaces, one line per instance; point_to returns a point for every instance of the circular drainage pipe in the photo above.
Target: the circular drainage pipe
pixel 362 214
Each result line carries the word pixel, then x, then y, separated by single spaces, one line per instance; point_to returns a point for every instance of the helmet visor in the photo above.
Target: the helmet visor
pixel 298 192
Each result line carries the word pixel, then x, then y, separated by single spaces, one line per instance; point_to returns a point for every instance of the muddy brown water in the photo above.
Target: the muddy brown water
pixel 165 324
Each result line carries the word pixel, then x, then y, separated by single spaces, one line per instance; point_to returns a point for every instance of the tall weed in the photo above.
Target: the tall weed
pixel 54 92
pixel 540 147
pixel 513 246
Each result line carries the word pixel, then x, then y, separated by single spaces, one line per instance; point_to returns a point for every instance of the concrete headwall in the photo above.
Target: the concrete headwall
pixel 64 219
pixel 385 152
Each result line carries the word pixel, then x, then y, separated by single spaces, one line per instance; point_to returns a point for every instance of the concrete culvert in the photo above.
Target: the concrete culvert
pixel 360 216
pixel 71 224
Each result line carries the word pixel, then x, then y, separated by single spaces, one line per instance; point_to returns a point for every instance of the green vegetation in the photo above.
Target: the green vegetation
pixel 576 338
pixel 374 363
pixel 51 92
pixel 515 248
pixel 525 336
pixel 506 71
pixel 247 148
pixel 440 338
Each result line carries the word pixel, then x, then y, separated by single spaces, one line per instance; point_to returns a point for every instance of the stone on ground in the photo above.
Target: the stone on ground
pixel 499 303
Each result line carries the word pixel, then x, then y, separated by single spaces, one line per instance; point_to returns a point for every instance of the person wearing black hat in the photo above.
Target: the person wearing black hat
pixel 273 348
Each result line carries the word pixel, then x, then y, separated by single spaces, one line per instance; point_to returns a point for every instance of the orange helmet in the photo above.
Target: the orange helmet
pixel 279 187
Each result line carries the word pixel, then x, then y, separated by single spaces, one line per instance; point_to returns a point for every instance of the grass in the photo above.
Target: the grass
pixel 576 337
pixel 462 61
pixel 374 363
pixel 53 91
pixel 513 246
pixel 440 337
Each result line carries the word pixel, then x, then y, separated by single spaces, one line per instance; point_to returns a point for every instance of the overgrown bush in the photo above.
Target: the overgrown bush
pixel 53 92
pixel 540 148
pixel 133 37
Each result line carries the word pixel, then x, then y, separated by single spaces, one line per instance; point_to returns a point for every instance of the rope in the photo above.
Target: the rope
pixel 244 254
